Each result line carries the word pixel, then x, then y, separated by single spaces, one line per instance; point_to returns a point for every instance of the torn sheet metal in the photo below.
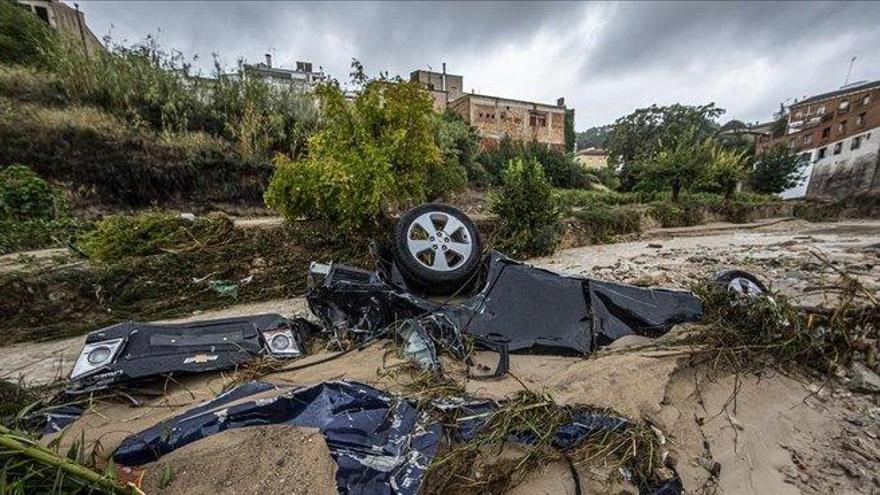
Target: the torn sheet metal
pixel 381 444
pixel 519 306
pixel 130 351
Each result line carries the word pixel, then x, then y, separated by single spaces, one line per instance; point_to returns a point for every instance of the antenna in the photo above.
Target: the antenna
pixel 848 72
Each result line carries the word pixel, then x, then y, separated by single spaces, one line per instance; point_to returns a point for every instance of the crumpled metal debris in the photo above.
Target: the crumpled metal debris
pixel 519 306
pixel 381 443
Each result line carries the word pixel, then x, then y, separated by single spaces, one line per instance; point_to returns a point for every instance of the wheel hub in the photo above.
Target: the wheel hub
pixel 439 241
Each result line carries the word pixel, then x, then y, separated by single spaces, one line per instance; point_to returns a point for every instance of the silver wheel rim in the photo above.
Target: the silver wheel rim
pixel 744 286
pixel 439 241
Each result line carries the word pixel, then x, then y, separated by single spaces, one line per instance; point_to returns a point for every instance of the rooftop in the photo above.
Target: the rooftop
pixel 850 88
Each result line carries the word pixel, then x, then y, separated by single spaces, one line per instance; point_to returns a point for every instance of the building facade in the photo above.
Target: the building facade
pixel 592 158
pixel 303 77
pixel 66 20
pixel 838 134
pixel 496 118
pixel 443 87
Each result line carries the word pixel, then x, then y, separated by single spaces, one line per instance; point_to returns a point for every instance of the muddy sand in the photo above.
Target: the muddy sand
pixel 751 434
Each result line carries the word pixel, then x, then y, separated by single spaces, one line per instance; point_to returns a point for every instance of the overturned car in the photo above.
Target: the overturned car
pixel 434 287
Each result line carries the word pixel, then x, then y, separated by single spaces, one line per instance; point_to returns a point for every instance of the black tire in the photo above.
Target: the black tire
pixel 728 280
pixel 458 270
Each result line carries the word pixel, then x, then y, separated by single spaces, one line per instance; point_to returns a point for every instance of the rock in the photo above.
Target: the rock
pixel 655 245
pixel 863 378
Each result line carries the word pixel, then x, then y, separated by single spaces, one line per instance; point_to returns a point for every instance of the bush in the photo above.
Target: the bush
pixel 776 170
pixel 122 236
pixel 560 168
pixel 604 222
pixel 528 210
pixel 681 214
pixel 33 214
pixel 26 196
pixel 459 144
pixel 373 155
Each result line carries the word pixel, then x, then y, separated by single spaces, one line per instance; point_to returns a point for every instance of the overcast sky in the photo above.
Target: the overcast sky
pixel 606 59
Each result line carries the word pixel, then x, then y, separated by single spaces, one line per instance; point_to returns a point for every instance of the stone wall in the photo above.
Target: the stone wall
pixel 836 181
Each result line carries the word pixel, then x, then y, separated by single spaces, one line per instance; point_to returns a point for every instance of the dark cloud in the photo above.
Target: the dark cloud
pixel 606 59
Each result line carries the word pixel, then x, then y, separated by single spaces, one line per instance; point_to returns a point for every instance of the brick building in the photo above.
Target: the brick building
pixel 495 117
pixel 838 133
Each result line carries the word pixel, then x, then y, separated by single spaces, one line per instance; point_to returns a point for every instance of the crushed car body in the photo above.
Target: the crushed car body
pixel 519 307
pixel 130 351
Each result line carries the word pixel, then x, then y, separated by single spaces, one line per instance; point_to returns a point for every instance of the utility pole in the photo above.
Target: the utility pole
pixel 848 72
pixel 82 34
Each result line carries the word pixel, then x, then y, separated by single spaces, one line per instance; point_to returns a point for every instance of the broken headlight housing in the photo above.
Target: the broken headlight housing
pixel 282 342
pixel 95 356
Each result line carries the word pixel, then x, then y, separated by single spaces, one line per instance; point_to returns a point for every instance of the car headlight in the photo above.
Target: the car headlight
pixel 282 343
pixel 95 356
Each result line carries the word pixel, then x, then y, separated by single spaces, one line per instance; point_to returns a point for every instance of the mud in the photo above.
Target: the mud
pixel 728 433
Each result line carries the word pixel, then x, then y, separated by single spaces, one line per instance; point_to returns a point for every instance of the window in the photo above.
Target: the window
pixel 844 106
pixel 826 133
pixel 42 13
pixel 821 110
pixel 856 142
pixel 808 139
pixel 860 120
pixel 838 147
pixel 538 120
pixel 821 154
pixel 798 114
pixel 866 100
pixel 841 127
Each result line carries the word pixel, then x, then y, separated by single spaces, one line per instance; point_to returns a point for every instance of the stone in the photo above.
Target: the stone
pixel 863 379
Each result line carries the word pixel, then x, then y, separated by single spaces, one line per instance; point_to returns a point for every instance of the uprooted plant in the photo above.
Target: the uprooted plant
pixel 751 334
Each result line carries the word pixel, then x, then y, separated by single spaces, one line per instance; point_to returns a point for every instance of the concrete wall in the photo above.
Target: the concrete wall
pixel 835 177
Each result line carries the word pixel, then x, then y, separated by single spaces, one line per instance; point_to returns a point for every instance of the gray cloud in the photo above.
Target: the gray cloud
pixel 606 59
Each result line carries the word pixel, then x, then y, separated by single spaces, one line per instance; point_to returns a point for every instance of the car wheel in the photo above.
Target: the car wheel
pixel 437 248
pixel 740 282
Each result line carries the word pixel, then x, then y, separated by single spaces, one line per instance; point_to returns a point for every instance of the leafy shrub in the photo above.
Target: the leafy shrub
pixel 604 222
pixel 528 210
pixel 24 38
pixel 460 144
pixel 374 154
pixel 682 214
pixel 560 168
pixel 33 213
pixel 154 232
pixel 26 196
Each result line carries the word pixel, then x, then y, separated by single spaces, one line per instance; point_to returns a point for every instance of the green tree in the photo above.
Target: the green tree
pixel 372 155
pixel 459 145
pixel 24 38
pixel 727 169
pixel 776 170
pixel 528 209
pixel 570 135
pixel 676 165
pixel 594 137
pixel 637 137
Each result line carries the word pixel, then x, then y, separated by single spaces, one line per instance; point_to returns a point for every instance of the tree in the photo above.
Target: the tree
pixel 776 170
pixel 372 155
pixel 594 137
pixel 677 165
pixel 570 135
pixel 528 209
pixel 637 137
pixel 727 169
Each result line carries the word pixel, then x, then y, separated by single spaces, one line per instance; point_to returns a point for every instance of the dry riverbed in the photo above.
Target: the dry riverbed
pixel 731 434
